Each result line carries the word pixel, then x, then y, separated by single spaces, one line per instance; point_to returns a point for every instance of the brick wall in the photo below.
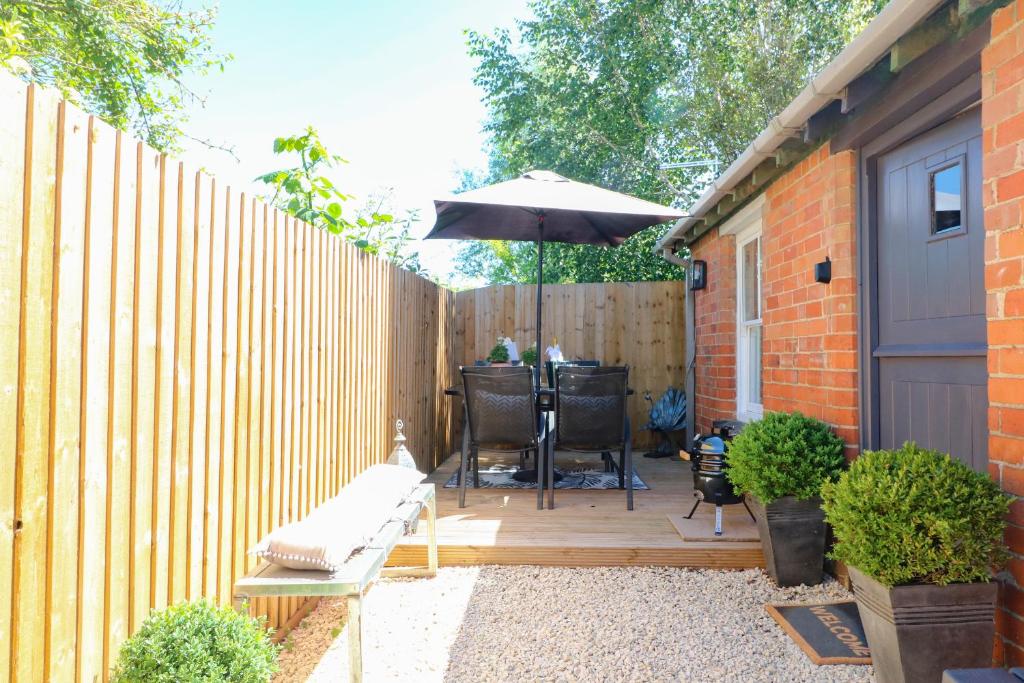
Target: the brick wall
pixel 715 315
pixel 810 328
pixel 1003 134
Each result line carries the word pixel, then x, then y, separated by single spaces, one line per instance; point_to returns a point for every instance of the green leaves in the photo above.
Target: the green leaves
pixel 914 515
pixel 305 191
pixel 784 454
pixel 195 641
pixel 608 92
pixel 126 61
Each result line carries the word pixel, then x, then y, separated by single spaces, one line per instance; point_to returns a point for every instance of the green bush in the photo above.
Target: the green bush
pixel 529 356
pixel 914 515
pixel 195 641
pixel 499 354
pixel 784 454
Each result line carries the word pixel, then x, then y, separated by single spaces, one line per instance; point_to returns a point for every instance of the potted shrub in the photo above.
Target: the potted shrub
pixel 921 534
pixel 195 641
pixel 781 461
pixel 498 355
pixel 529 356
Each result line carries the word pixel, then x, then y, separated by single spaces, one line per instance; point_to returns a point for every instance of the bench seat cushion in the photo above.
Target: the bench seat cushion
pixel 329 535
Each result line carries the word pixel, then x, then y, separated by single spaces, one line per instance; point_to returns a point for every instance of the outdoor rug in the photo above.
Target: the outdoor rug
pixel 828 633
pixel 580 477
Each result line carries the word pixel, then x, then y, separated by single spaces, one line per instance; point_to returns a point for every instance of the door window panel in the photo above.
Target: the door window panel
pixel 947 198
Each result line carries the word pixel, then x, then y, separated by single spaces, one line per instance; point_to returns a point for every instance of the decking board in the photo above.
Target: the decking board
pixel 586 528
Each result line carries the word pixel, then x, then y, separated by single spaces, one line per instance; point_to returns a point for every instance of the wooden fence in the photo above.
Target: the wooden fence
pixel 639 324
pixel 182 369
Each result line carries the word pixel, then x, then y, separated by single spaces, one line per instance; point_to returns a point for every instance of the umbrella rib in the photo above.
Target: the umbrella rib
pixel 598 230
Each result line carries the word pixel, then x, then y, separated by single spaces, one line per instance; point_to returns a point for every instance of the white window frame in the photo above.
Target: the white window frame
pixel 746 226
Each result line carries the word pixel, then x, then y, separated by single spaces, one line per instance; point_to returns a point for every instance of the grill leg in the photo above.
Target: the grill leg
pixel 744 501
pixel 693 509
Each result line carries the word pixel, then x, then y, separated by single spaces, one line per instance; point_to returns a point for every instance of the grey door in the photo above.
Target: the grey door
pixel 931 336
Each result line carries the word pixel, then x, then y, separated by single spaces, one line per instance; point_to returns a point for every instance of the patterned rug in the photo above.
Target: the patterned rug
pixel 578 477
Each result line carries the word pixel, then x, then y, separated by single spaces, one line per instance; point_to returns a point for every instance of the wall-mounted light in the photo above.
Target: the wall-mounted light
pixel 698 274
pixel 823 271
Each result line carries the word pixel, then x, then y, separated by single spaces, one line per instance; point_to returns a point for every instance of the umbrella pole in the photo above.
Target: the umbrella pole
pixel 540 292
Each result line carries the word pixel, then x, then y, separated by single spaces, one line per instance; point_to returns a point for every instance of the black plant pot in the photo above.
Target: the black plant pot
pixel 916 632
pixel 793 539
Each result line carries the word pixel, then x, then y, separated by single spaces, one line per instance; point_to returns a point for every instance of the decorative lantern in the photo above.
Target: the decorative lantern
pixel 400 455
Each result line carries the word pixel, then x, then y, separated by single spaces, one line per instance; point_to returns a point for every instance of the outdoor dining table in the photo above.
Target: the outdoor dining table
pixel 545 404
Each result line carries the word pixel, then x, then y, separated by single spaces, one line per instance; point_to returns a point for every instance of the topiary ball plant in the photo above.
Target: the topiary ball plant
pixel 914 515
pixel 529 356
pixel 499 354
pixel 195 641
pixel 784 454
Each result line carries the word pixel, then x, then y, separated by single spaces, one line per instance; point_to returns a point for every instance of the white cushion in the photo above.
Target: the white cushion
pixel 328 536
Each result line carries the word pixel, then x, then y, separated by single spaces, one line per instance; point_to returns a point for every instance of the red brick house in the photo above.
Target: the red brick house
pixel 901 169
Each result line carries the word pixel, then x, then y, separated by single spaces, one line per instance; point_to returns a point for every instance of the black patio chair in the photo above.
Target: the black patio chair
pixel 591 417
pixel 501 416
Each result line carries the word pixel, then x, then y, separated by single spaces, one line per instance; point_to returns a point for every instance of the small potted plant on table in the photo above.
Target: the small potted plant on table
pixel 781 461
pixel 498 355
pixel 529 356
pixel 920 533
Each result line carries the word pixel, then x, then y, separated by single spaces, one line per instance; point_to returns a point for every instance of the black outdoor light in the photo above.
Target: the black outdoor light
pixel 823 271
pixel 698 274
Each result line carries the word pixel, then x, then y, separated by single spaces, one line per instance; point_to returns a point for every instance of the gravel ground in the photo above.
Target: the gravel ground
pixel 563 624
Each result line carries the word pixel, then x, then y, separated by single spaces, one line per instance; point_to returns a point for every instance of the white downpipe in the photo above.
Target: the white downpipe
pixel 870 45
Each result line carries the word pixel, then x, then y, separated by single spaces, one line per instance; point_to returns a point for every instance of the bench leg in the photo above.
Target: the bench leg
pixel 355 638
pixel 432 536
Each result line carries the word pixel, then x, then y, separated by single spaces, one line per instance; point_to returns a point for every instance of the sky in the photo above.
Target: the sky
pixel 388 84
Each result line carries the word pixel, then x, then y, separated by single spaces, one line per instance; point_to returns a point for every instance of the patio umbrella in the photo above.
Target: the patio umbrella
pixel 541 206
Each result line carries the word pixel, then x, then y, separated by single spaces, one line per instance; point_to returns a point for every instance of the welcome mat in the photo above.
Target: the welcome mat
pixel 500 477
pixel 828 633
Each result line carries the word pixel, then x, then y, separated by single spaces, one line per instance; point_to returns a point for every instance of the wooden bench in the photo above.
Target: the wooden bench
pixel 352 580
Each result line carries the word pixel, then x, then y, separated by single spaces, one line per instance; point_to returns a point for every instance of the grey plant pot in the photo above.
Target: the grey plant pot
pixel 916 632
pixel 793 539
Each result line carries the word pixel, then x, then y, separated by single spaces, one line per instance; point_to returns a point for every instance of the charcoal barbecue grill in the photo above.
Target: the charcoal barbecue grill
pixel 709 461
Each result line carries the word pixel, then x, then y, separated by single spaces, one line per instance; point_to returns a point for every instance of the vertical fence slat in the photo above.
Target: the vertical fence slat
pixel 179 509
pixel 33 423
pixel 93 491
pixel 13 96
pixel 65 401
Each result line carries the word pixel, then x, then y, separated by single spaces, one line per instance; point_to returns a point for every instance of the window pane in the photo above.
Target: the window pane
pixel 754 364
pixel 751 302
pixel 946 197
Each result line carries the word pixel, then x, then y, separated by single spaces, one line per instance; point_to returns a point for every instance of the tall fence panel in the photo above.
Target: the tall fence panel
pixel 182 369
pixel 639 324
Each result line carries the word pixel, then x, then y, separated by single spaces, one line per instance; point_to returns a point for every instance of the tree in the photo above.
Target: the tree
pixel 609 91
pixel 305 191
pixel 126 61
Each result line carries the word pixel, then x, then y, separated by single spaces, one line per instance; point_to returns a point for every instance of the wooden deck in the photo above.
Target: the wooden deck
pixel 587 528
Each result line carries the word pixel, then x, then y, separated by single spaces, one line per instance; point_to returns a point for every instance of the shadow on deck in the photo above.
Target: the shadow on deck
pixel 587 527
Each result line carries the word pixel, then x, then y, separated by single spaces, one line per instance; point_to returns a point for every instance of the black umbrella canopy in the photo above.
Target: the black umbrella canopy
pixel 541 206
pixel 573 212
